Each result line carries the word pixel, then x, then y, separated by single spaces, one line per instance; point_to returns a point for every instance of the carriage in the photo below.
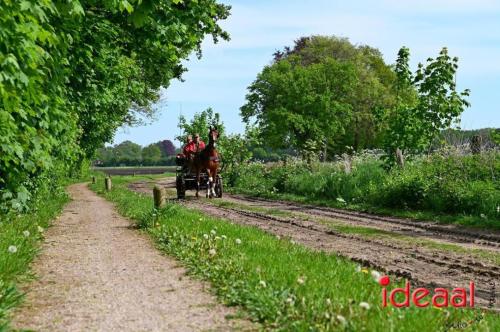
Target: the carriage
pixel 186 179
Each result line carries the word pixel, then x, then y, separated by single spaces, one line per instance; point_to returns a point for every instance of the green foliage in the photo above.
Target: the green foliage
pixel 281 285
pixel 20 236
pixel 72 72
pixel 325 91
pixel 444 183
pixel 200 124
pixel 151 154
pixel 427 102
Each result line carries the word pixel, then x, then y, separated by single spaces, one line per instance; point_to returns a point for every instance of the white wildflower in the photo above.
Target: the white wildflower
pixel 364 305
pixel 26 233
pixel 358 268
pixel 12 249
pixel 238 241
pixel 289 300
pixel 376 275
pixel 340 200
pixel 300 280
pixel 262 283
pixel 341 319
pixel 205 236
pixel 40 229
pixel 278 237
pixel 213 232
pixel 212 252
pixel 328 301
pixel 483 215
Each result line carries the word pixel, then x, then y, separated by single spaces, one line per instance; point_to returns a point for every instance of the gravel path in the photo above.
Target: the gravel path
pixel 97 274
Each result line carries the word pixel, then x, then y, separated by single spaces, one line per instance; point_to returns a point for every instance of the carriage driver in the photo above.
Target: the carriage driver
pixel 193 146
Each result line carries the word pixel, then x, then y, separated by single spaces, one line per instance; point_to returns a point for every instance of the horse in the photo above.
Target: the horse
pixel 208 160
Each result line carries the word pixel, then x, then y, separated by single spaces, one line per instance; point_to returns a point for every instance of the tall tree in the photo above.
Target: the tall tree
pixel 151 154
pixel 72 72
pixel 167 148
pixel 200 124
pixel 332 92
pixel 427 102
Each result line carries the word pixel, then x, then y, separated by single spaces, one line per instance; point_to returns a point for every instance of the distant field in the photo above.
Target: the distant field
pixel 126 170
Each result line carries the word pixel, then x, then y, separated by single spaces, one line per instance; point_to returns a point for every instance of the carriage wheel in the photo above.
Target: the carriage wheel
pixel 180 185
pixel 218 187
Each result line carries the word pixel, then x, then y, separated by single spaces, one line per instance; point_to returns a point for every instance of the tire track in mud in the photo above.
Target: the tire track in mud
pixel 431 230
pixel 424 267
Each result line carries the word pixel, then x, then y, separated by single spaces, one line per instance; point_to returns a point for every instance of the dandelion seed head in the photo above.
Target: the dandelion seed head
pixel 237 241
pixel 26 233
pixel 364 305
pixel 12 249
pixel 376 275
pixel 341 319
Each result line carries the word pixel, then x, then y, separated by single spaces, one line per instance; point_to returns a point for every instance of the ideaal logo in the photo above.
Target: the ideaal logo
pixel 422 297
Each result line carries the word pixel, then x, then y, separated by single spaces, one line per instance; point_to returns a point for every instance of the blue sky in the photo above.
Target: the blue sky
pixel 469 28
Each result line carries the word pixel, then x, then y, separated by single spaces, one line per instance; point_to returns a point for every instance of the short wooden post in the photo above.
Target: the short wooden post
pixel 93 180
pixel 107 183
pixel 158 198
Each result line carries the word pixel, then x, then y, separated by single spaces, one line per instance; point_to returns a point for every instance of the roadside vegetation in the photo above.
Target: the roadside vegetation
pixel 445 186
pixel 20 237
pixel 282 285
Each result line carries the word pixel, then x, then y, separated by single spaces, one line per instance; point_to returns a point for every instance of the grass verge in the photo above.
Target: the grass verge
pixel 20 237
pixel 279 284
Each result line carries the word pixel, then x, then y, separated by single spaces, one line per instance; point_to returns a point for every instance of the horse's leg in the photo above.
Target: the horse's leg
pixel 214 178
pixel 197 182
pixel 208 183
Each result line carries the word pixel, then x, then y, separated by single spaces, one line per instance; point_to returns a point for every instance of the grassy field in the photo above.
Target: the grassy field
pixel 282 285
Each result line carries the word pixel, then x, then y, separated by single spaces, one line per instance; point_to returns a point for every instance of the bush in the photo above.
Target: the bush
pixel 444 183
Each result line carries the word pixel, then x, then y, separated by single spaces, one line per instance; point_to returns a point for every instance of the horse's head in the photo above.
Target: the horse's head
pixel 213 135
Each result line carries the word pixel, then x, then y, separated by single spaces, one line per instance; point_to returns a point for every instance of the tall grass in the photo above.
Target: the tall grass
pixel 464 186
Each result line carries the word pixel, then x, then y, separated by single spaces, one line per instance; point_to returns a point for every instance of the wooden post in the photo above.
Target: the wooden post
pixel 93 180
pixel 475 144
pixel 400 158
pixel 107 183
pixel 158 198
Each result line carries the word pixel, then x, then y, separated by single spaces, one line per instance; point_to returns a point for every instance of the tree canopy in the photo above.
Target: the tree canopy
pixel 72 72
pixel 323 92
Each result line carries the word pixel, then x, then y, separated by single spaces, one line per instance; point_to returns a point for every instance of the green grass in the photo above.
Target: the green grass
pixel 279 284
pixel 20 237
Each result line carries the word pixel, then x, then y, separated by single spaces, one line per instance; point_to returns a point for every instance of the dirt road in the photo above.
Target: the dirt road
pixel 427 253
pixel 97 274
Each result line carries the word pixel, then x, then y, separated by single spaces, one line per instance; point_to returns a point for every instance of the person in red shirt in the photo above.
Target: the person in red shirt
pixel 193 146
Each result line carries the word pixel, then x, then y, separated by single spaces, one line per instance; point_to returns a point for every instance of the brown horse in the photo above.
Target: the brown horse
pixel 208 160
